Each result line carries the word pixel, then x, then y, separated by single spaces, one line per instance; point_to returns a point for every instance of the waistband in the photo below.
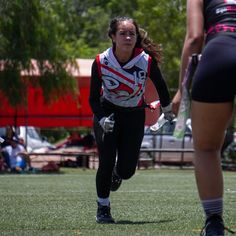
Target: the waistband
pixel 110 106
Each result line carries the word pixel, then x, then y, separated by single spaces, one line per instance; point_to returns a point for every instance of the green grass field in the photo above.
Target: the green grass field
pixel 153 202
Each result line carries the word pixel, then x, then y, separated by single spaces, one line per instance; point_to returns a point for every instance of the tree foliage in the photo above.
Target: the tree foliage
pixel 57 31
pixel 33 30
pixel 165 23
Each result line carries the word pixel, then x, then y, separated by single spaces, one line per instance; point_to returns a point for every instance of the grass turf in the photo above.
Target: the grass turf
pixel 153 202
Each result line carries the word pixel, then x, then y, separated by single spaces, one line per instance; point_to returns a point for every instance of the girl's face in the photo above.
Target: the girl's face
pixel 125 37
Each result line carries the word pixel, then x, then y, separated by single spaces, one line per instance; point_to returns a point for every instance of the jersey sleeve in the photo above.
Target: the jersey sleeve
pixel 159 83
pixel 96 92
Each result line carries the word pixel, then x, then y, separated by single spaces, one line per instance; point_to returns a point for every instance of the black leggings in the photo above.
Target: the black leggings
pixel 215 77
pixel 123 143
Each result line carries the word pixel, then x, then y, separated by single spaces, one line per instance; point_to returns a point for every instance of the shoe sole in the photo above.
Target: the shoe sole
pixel 105 222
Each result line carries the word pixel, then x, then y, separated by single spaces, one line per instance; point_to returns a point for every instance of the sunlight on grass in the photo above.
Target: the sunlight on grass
pixel 153 202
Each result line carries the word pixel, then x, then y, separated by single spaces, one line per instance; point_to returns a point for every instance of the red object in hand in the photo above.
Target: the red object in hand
pixel 154 105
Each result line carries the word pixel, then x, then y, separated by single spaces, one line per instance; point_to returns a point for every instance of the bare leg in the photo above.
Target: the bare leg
pixel 209 122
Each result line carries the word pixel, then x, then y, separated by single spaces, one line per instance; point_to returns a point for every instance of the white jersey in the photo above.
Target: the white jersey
pixel 124 85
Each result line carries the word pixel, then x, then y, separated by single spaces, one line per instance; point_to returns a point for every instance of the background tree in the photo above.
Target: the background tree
pixel 165 22
pixel 33 30
pixel 59 31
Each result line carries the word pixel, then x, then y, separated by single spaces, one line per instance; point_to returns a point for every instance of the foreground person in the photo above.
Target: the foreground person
pixel 211 31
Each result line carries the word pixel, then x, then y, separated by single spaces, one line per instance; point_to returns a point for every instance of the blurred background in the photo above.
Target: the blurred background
pixel 46 51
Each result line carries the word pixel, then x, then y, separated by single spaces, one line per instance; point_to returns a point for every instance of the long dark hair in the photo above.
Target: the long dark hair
pixel 143 40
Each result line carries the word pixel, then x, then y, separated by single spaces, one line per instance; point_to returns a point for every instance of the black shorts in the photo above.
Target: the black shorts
pixel 215 77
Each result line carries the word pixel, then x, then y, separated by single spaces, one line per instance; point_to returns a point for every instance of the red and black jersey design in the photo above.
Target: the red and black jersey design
pixel 124 85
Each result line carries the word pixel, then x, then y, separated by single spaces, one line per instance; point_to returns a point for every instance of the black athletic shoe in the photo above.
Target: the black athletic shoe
pixel 214 226
pixel 104 215
pixel 115 181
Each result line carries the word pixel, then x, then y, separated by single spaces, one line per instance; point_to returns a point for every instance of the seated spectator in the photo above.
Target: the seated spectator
pixel 3 166
pixel 16 156
pixel 5 160
pixel 74 139
pixel 2 160
pixel 88 140
pixel 8 136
